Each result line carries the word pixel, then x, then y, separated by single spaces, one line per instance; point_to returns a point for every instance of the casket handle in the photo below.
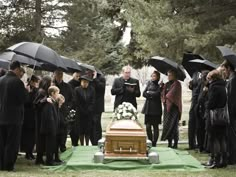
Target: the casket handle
pixel 121 150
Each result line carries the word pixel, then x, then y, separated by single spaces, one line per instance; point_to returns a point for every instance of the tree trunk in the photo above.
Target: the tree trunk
pixel 38 18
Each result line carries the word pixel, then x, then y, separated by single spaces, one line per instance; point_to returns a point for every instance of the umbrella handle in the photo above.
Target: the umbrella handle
pixel 33 69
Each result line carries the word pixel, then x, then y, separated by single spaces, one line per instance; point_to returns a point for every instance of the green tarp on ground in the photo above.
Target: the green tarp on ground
pixel 81 158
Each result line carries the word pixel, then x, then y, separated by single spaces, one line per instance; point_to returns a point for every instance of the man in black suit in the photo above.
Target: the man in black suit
pixel 125 88
pixel 99 84
pixel 66 91
pixel 12 98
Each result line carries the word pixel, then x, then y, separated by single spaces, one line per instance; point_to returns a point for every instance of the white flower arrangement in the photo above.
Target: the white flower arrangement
pixel 126 111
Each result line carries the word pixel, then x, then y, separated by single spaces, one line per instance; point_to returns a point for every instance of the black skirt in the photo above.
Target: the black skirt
pixel 152 119
pixel 170 123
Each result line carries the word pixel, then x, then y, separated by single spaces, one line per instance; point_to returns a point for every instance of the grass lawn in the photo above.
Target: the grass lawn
pixel 26 168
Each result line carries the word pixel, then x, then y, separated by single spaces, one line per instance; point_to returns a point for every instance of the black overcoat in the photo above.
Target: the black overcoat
pixel 122 94
pixel 99 86
pixel 152 105
pixel 13 95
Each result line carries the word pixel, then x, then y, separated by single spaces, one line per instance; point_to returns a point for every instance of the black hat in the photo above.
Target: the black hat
pixel 85 77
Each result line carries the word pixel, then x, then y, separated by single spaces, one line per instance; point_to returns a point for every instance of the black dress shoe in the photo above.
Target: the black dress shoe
pixel 39 162
pixel 52 163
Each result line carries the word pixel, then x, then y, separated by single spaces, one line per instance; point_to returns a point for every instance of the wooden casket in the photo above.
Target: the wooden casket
pixel 125 138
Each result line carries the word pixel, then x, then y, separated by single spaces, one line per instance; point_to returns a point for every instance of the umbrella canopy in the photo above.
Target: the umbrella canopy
pixel 164 65
pixel 189 67
pixel 90 67
pixel 38 52
pixel 228 54
pixel 198 65
pixel 8 57
pixel 4 64
pixel 71 64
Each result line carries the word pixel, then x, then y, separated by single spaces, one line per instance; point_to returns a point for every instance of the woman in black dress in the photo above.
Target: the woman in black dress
pixel 152 107
pixel 84 104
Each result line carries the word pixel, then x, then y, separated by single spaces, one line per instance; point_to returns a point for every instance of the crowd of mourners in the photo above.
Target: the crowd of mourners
pixel 39 114
pixel 44 111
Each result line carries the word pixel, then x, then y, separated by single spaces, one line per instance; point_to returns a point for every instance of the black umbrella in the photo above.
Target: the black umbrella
pixel 228 54
pixel 90 67
pixel 164 65
pixel 201 65
pixel 190 68
pixel 8 57
pixel 4 64
pixel 38 52
pixel 71 64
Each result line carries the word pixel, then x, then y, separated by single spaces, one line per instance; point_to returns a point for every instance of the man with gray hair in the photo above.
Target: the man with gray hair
pixel 125 88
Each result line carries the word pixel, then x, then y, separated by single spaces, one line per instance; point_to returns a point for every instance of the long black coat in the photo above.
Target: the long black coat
pixel 123 95
pixel 49 119
pixel 152 105
pixel 73 83
pixel 99 86
pixel 231 89
pixel 216 95
pixel 12 98
pixel 29 114
pixel 67 92
pixel 84 100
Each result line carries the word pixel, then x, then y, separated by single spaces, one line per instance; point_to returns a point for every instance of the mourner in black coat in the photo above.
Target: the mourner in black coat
pixel 152 107
pixel 192 126
pixel 66 91
pixel 28 128
pixel 229 72
pixel 72 128
pixel 75 81
pixel 217 133
pixel 48 127
pixel 84 103
pixel 125 88
pixel 99 84
pixel 41 98
pixel 12 98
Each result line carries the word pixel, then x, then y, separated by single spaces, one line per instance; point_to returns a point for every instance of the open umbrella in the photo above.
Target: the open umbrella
pixel 189 67
pixel 90 67
pixel 198 65
pixel 71 64
pixel 8 57
pixel 4 64
pixel 38 52
pixel 164 65
pixel 228 54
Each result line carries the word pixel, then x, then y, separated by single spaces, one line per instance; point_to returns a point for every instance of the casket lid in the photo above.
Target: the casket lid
pixel 126 125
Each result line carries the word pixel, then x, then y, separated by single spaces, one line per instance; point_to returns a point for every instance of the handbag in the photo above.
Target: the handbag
pixel 219 116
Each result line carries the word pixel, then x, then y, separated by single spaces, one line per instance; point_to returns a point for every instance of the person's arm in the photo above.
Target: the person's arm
pixel 117 88
pixel 137 91
pixel 145 94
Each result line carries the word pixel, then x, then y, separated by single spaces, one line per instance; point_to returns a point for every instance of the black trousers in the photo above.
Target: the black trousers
pixel 74 132
pixel 46 143
pixel 9 145
pixel 62 137
pixel 192 130
pixel 27 140
pixel 201 132
pixel 96 131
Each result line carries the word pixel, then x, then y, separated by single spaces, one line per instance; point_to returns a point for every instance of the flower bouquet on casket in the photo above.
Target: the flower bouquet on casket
pixel 126 111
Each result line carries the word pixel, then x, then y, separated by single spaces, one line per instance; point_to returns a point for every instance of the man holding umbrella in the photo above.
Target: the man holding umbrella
pixel 12 98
